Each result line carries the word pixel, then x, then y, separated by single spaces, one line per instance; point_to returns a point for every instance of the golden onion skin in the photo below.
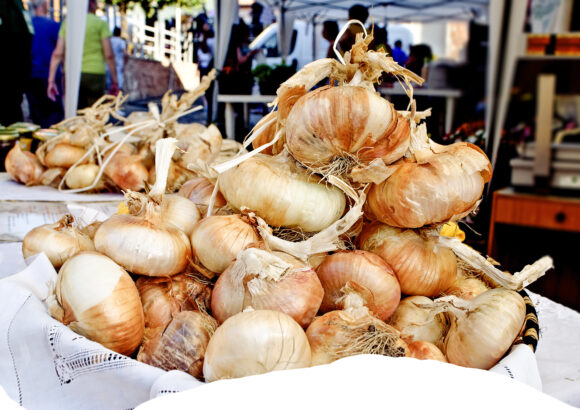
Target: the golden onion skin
pixel 282 193
pixel 63 155
pixel 368 271
pixel 333 122
pixel 116 321
pixel 422 266
pixel 445 187
pixel 23 166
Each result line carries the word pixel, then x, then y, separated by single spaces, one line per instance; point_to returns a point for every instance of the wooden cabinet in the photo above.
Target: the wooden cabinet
pixel 524 227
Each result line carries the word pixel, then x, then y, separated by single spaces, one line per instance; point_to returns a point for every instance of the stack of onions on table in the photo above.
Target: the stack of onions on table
pixel 90 154
pixel 325 241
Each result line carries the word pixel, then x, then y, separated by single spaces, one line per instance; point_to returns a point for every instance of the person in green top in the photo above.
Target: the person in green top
pixel 97 52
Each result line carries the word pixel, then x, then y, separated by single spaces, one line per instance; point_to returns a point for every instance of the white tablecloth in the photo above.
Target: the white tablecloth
pixel 44 365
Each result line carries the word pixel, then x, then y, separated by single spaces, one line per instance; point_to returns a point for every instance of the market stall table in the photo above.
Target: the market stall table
pixel 230 99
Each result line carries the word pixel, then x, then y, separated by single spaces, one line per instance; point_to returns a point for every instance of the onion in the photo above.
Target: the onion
pixel 146 242
pixel 335 122
pixel 343 333
pixel 63 155
pixel 217 240
pixel 83 176
pixel 163 298
pixel 414 320
pixel 422 265
pixel 368 272
pixel 59 241
pixel 23 166
pixel 180 212
pixel 267 280
pixel 143 244
pixel 422 350
pixel 466 287
pixel 199 191
pixel 97 299
pixel 182 345
pixel 255 342
pixel 282 193
pixel 127 171
pixel 480 335
pixel 198 143
pixel 444 186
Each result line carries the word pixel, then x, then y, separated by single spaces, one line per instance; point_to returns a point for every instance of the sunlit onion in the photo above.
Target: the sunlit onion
pixel 255 342
pixel 217 240
pixel 63 155
pixel 444 186
pixel 282 193
pixel 59 241
pixel 97 299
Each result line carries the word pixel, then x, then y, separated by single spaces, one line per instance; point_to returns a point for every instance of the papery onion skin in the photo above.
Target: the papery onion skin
pixel 423 350
pixel 83 176
pixel 216 240
pixel 282 193
pixel 199 191
pixel 466 288
pixel 180 212
pixel 422 266
pixel 63 155
pixel 23 166
pixel 143 247
pixel 182 345
pixel 127 171
pixel 255 342
pixel 366 270
pixel 487 331
pixel 298 293
pixel 100 301
pixel 164 297
pixel 59 241
pixel 335 122
pixel 341 333
pixel 414 321
pixel 446 187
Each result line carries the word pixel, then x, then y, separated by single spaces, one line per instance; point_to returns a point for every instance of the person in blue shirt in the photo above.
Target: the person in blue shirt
pixel 398 54
pixel 43 111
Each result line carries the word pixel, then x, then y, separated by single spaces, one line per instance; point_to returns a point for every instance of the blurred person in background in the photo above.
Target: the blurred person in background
pixel 398 54
pixel 329 32
pixel 97 52
pixel 204 58
pixel 15 39
pixel 256 25
pixel 43 111
pixel 119 46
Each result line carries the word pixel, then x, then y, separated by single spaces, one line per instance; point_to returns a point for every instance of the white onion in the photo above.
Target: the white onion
pixel 255 342
pixel 414 320
pixel 97 298
pixel 59 241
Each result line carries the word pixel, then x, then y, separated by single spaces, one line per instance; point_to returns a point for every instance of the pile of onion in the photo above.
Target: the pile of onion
pixel 414 320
